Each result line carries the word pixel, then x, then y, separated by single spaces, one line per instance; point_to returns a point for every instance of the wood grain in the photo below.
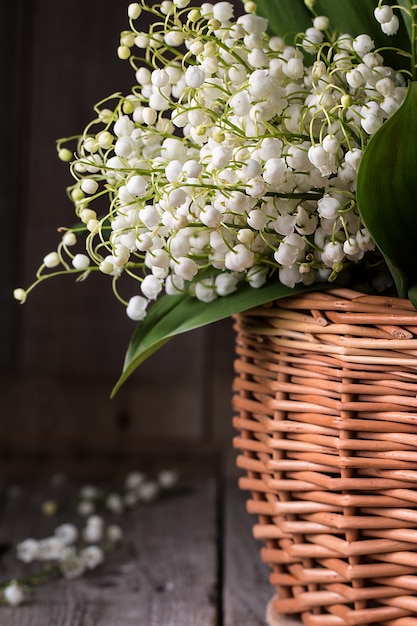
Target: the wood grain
pixel 166 576
pixel 62 352
pixel 246 588
pixel 190 558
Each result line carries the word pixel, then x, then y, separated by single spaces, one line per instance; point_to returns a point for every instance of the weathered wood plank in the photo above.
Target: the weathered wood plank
pixel 124 455
pixel 222 355
pixel 246 587
pixel 79 411
pixel 72 62
pixel 15 20
pixel 72 336
pixel 67 344
pixel 165 577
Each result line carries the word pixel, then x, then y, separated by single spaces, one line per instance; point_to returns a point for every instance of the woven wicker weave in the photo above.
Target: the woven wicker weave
pixel 326 402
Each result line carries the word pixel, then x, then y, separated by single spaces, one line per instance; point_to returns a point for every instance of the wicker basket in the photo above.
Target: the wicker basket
pixel 326 401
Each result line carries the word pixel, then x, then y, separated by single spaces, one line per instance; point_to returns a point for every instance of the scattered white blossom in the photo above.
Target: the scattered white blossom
pixel 14 594
pixel 67 533
pixel 49 508
pixel 167 478
pixel 73 550
pixel 93 530
pixel 92 556
pixel 134 480
pixel 85 507
pixel 114 503
pixel 148 491
pixel 27 550
pixel 72 565
pixel 50 548
pixel 114 533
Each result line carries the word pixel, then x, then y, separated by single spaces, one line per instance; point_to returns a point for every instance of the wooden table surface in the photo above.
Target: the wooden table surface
pixel 190 559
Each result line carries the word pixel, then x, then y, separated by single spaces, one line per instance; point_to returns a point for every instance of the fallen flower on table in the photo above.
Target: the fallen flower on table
pixel 73 549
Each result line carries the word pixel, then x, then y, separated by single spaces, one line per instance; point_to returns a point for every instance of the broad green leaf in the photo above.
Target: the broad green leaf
pixel 387 192
pixel 404 15
pixel 285 17
pixel 289 17
pixel 400 279
pixel 412 295
pixel 172 315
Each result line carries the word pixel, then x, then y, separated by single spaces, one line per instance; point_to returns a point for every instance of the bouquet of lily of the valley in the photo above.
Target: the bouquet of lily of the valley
pixel 249 161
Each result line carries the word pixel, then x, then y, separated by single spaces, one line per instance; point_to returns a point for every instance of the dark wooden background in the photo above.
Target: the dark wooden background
pixel 62 351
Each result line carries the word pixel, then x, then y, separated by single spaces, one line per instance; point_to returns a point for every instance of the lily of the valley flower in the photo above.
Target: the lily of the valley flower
pixel 71 551
pixel 234 152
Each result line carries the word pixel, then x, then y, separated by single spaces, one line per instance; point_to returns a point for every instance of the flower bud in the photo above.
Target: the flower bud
pixel 134 10
pixel 137 185
pixel 194 76
pixel 52 259
pixel 19 295
pixel 89 186
pixel 106 267
pixel 321 22
pixel 69 239
pixel 81 262
pixel 159 78
pixel 123 52
pixel 65 155
pixel 330 144
pixel 383 13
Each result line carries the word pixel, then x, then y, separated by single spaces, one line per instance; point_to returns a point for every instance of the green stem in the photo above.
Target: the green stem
pixel 413 40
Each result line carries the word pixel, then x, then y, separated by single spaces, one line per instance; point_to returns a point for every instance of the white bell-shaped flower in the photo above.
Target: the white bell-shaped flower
pixel 328 207
pixel 136 308
pixel 332 253
pixel 205 290
pixel 151 287
pixel 137 185
pixel 391 27
pixel 290 276
pixel 174 285
pixel 194 76
pixel 226 283
pixel 286 254
pixel 81 262
pixel 186 268
pixel 239 258
pixel 256 276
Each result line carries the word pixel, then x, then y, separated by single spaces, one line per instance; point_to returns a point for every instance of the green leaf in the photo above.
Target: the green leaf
pixel 285 17
pixel 404 14
pixel 289 17
pixel 412 295
pixel 172 315
pixel 387 192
